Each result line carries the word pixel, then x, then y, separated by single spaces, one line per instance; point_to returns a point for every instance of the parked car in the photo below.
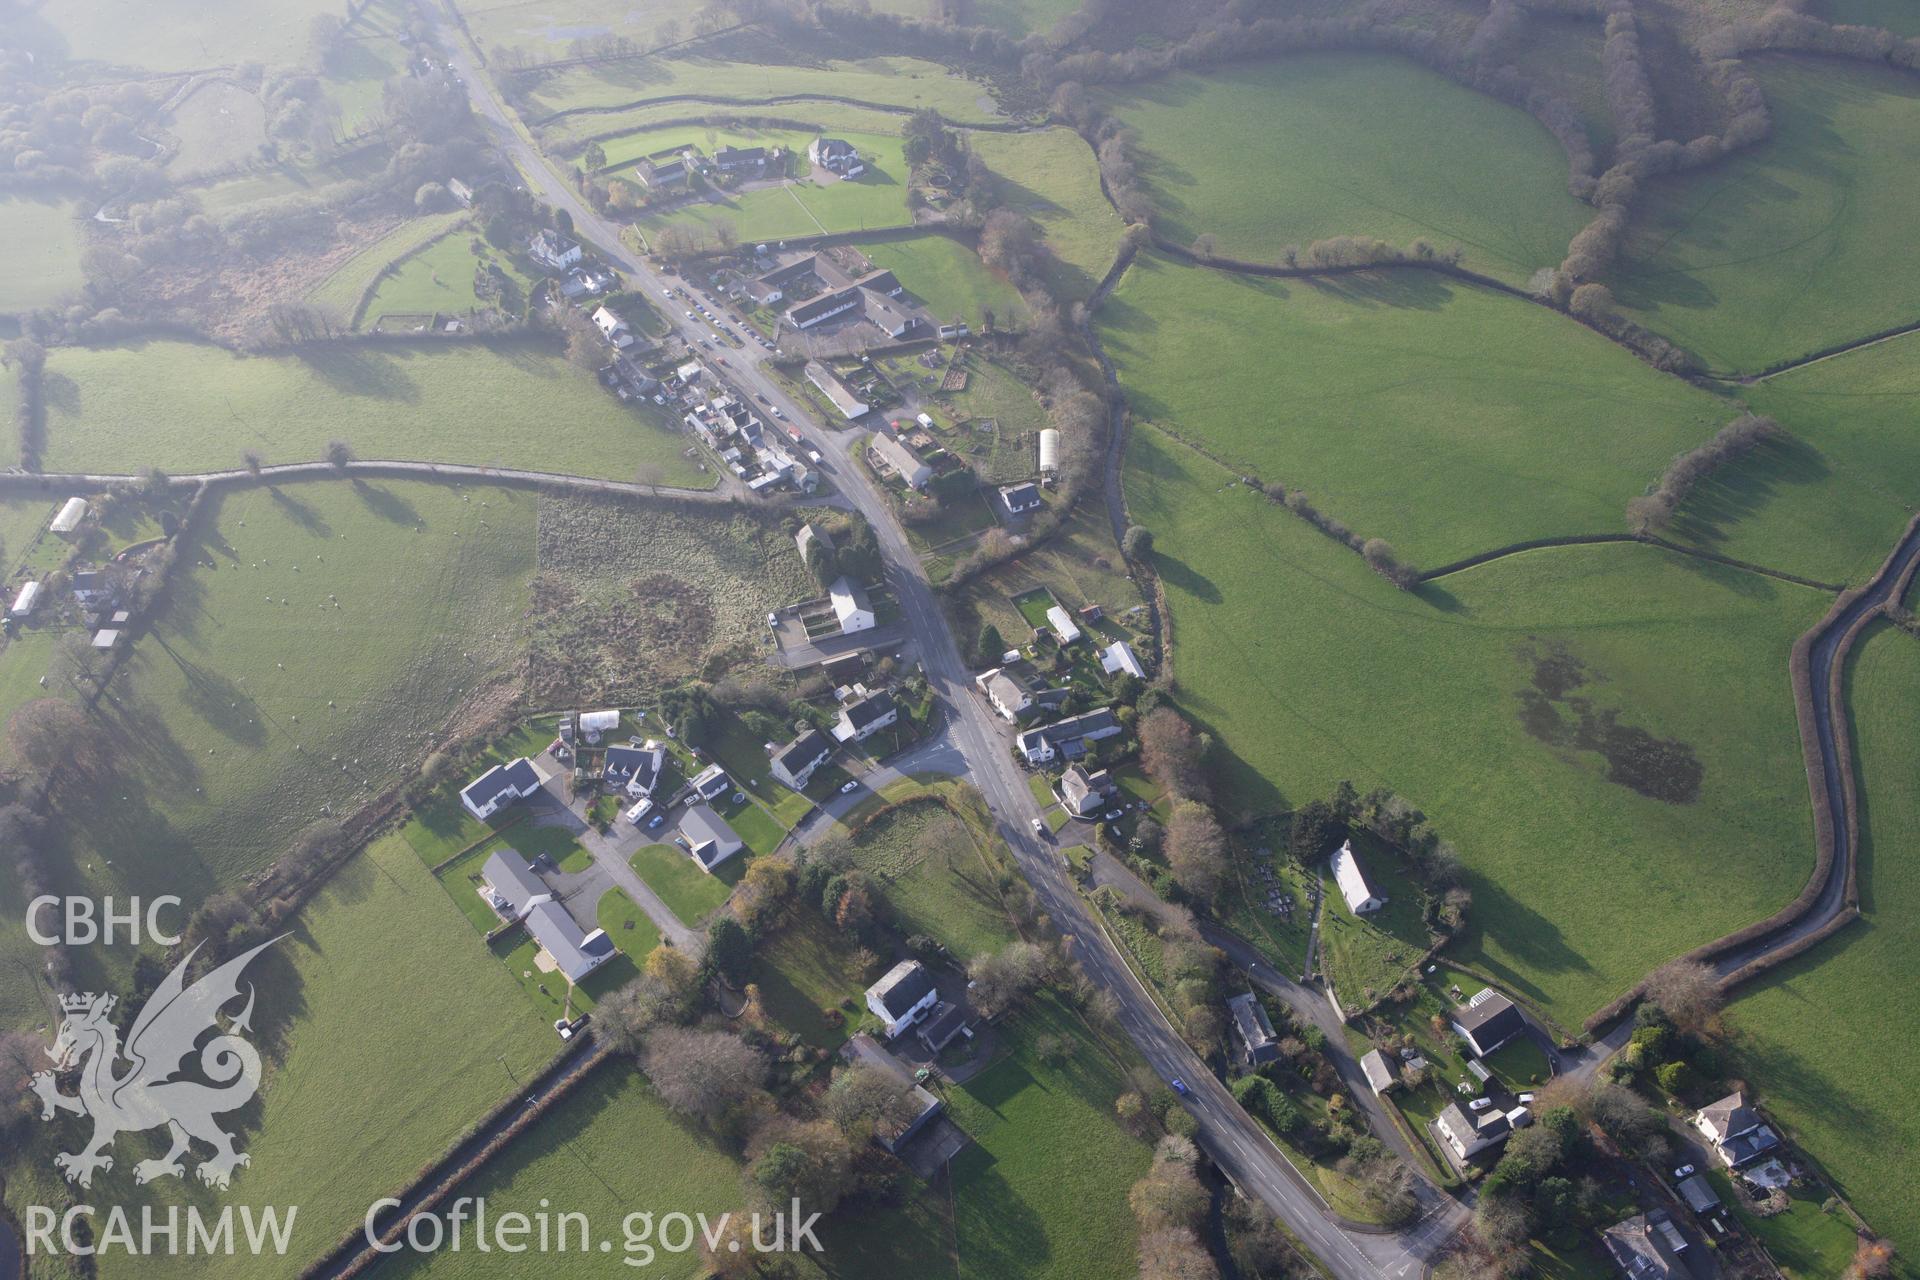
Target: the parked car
pixel 658 818
pixel 1039 827
pixel 1479 1104
pixel 564 1028
pixel 1114 814
pixel 850 788
pixel 1683 1172
pixel 813 456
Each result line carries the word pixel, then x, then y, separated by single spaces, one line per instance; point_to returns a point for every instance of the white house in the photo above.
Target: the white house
pixel 710 841
pixel 795 763
pixel 612 328
pixel 500 786
pixel 835 156
pixel 1118 657
pixel 72 512
pixel 861 718
pixel 1067 737
pixel 1062 623
pixel 1021 497
pixel 1008 696
pixel 554 251
pixel 850 405
pixel 902 996
pixel 1360 897
pixel 850 606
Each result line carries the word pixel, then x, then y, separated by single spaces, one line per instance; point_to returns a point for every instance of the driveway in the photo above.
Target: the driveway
pixel 610 853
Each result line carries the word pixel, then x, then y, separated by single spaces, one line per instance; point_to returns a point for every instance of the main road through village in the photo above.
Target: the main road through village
pixel 1229 1136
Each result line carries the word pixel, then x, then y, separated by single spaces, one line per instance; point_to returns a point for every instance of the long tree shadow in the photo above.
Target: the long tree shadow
pixel 1737 492
pixel 358 371
pixel 216 699
pixel 386 503
pixel 301 512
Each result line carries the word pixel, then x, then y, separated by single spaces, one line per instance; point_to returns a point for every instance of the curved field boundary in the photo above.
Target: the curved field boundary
pixel 1646 539
pixel 1831 898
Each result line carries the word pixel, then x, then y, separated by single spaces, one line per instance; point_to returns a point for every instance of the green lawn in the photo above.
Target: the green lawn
pixel 1051 175
pixel 949 279
pixel 1797 244
pixel 623 151
pixel 387 1029
pixel 629 927
pixel 1808 1244
pixel 1896 16
pixel 1520 1063
pixel 440 277
pixel 807 969
pixel 323 178
pixel 42 261
pixel 689 892
pixel 891 81
pixel 188 407
pixel 1442 417
pixel 218 125
pixel 1310 669
pixel 341 292
pixel 1824 1039
pixel 930 867
pixel 1285 152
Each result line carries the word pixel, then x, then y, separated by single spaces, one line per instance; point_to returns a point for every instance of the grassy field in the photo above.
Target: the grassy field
pixel 1896 16
pixel 628 148
pixel 1664 791
pixel 1824 1038
pixel 340 293
pixel 322 179
pixel 1022 17
pixel 689 892
pixel 440 277
pixel 244 718
pixel 219 33
pixel 368 54
pixel 889 81
pixel 934 877
pixel 950 279
pixel 218 124
pixel 614 129
pixel 608 1150
pixel 1794 245
pixel 809 968
pixel 877 198
pixel 1291 151
pixel 1444 418
pixel 187 407
pixel 1051 176
pixel 42 261
pixel 375 1063
pixel 1807 1243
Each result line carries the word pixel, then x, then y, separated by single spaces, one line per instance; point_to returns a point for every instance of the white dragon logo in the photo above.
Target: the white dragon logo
pixel 151 1092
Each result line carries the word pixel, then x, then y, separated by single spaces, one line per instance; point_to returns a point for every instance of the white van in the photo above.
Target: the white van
pixel 638 814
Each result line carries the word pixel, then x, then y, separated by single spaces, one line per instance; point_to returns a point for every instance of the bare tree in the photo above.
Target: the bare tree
pixel 1197 851
pixel 1172 753
pixel 1000 980
pixel 702 1073
pixel 1691 996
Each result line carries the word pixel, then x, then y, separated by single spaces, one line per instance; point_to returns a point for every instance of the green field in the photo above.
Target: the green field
pixel 244 718
pixel 340 293
pixel 1291 151
pixel 1311 669
pixel 1896 16
pixel 934 877
pixel 219 124
pixel 440 278
pixel 1824 1038
pixel 610 1149
pixel 889 81
pixel 368 54
pixel 706 138
pixel 950 279
pixel 187 407
pixel 1051 176
pixel 802 207
pixel 314 180
pixel 1021 17
pixel 1445 418
pixel 809 968
pixel 689 892
pixel 381 1018
pixel 1795 245
pixel 42 261
pixel 216 34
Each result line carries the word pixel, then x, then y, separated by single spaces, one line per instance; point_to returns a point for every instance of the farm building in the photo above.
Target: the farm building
pixel 809 537
pixel 850 405
pixel 71 513
pixel 513 890
pixel 664 168
pixel 106 638
pixel 805 315
pixel 893 319
pixel 1488 1021
pixel 863 717
pixel 500 786
pixel 850 606
pixel 1021 497
pixel 461 192
pixel 1061 621
pixel 900 460
pixel 1359 895
pixel 26 602
pixel 901 996
pixel 1118 657
pixel 795 763
pixel 1253 1030
pixel 1378 1069
pixel 709 839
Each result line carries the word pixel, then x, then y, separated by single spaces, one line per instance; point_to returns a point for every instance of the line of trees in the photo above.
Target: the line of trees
pixel 28 360
pixel 1655 510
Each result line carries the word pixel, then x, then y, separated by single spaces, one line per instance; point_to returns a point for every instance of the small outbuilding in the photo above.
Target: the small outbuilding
pixel 1378 1068
pixel 71 513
